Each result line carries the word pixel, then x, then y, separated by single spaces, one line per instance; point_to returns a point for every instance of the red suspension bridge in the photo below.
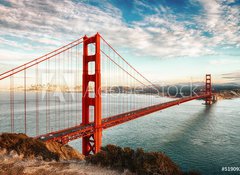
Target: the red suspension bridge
pixel 77 91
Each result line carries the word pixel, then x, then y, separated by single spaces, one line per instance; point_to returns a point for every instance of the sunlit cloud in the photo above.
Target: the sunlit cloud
pixel 50 23
pixel 31 28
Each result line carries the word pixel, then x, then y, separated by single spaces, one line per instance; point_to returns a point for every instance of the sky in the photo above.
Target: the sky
pixel 166 40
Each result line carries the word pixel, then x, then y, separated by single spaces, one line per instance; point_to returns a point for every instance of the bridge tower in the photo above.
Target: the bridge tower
pixel 208 90
pixel 92 144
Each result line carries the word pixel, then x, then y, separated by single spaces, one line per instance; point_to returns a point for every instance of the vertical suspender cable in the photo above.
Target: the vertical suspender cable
pixel 76 84
pixel 49 97
pixel 12 102
pixel 46 95
pixel 59 91
pixel 68 92
pixel 37 105
pixel 25 102
pixel 55 93
pixel 64 91
pixel 72 79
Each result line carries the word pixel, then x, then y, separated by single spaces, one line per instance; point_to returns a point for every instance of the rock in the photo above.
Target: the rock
pixel 65 152
pixel 136 161
pixel 34 148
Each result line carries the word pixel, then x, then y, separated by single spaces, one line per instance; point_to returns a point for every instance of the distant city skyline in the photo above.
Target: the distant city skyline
pixel 168 41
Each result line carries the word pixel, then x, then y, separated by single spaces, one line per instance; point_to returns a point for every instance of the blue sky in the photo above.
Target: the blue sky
pixel 167 40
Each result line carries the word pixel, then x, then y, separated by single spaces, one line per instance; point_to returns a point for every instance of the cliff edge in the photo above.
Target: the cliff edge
pixel 22 155
pixel 33 148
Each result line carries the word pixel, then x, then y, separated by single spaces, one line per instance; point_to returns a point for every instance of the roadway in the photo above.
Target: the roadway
pixel 79 131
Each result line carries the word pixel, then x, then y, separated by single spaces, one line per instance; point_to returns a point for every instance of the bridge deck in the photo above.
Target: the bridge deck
pixel 79 131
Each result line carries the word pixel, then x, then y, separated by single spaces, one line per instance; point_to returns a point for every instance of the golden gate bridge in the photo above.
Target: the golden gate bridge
pixel 69 93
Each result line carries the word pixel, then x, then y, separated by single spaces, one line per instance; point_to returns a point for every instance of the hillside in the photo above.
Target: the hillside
pixel 22 155
pixel 34 148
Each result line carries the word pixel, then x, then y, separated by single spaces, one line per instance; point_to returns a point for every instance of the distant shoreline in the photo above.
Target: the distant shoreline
pixel 222 94
pixel 228 94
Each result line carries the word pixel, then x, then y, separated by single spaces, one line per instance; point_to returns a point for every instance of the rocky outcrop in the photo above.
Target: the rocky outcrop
pixel 34 148
pixel 14 164
pixel 139 162
pixel 20 154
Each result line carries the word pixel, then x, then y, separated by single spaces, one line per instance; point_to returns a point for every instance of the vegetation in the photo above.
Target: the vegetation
pixel 139 162
pixel 117 158
pixel 34 148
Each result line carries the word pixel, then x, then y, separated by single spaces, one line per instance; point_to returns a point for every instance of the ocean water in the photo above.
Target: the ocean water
pixel 194 136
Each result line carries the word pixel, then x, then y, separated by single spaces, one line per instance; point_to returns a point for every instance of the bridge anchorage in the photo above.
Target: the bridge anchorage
pixel 91 108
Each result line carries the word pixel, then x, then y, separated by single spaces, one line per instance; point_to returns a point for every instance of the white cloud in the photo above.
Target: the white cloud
pixel 44 25
pixel 221 20
pixel 212 9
